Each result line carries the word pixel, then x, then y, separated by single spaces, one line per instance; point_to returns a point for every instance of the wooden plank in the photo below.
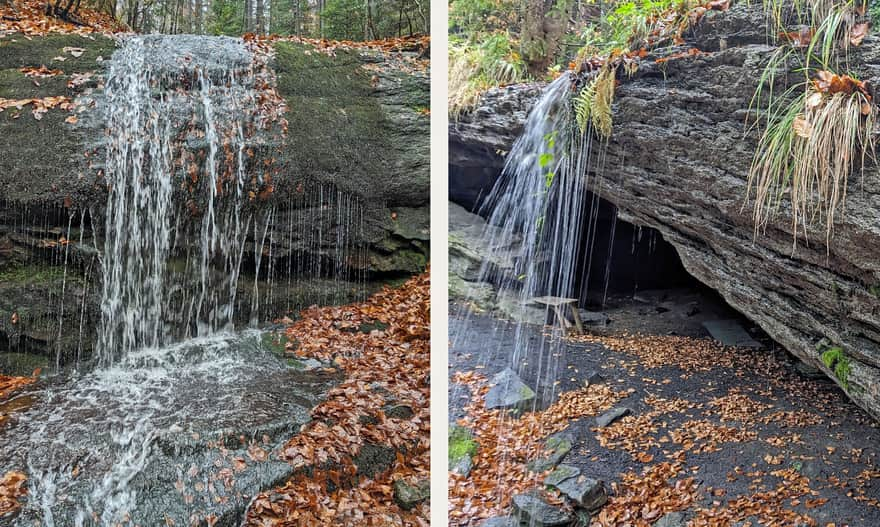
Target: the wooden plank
pixel 552 300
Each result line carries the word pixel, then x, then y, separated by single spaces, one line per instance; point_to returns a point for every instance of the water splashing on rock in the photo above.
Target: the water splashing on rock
pixel 147 102
pixel 177 422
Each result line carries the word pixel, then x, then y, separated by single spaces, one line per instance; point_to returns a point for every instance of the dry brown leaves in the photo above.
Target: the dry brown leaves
pixel 705 436
pixel 507 444
pixel 40 106
pixel 831 83
pixel 41 72
pixel 29 18
pixel 640 500
pixel 655 351
pixel 9 384
pixel 768 505
pixel 736 406
pixel 12 487
pixel 382 367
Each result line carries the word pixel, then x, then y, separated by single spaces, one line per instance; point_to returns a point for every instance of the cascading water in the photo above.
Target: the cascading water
pixel 536 216
pixel 176 423
pixel 140 174
pixel 535 211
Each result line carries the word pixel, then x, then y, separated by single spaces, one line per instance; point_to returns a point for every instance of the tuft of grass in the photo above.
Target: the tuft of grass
pixel 809 149
pixel 474 68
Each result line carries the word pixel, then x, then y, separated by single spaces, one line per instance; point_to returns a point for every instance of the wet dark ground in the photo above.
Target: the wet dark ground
pixel 838 455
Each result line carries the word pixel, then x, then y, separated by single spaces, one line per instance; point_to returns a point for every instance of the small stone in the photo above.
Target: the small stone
pixel 587 493
pixel 500 521
pixel 399 411
pixel 611 415
pixel 555 449
pixel 594 378
pixel 311 364
pixel 560 474
pixel 509 391
pixel 462 466
pixel 408 496
pixel 671 519
pixel 593 318
pixel 536 512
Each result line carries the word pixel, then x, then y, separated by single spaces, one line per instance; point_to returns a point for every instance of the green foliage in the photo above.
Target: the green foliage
pixel 626 24
pixel 593 103
pixel 226 18
pixel 472 17
pixel 476 67
pixel 545 161
pixel 583 106
pixel 461 443
pixel 344 19
pixel 836 360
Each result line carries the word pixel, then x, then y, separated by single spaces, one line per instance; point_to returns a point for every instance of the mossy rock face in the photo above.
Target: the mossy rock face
pixel 16 51
pixel 355 122
pixel 50 152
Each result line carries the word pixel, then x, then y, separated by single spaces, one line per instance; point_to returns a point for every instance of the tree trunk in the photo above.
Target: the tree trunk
pixel 258 18
pixel 543 28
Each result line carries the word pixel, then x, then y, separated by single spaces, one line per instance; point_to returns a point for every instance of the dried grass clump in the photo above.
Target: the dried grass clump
pixel 808 151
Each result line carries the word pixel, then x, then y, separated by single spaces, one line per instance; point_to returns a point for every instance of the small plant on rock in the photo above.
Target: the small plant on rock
pixel 835 360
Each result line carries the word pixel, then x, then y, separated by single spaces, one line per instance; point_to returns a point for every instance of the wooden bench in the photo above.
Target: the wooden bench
pixel 558 304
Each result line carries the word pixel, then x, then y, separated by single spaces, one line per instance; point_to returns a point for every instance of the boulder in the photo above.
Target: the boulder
pixel 409 496
pixel 554 450
pixel 508 391
pixel 586 493
pixel 531 508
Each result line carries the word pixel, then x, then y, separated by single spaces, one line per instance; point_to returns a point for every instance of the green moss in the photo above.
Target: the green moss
pixel 461 443
pixel 835 359
pixel 274 342
pixel 18 52
pixel 331 102
pixel 15 85
pixel 33 274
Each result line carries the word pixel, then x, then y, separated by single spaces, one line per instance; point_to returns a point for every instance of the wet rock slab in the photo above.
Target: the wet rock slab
pixel 530 508
pixel 509 391
pixel 187 434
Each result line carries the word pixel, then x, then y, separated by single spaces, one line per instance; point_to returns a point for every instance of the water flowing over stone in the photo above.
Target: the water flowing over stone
pixel 182 418
pixel 536 214
pixel 146 100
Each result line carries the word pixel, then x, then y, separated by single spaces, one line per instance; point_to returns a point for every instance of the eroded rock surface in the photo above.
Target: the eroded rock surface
pixel 678 161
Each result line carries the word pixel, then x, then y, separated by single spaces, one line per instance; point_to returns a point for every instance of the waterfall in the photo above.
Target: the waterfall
pixel 177 397
pixel 146 101
pixel 535 212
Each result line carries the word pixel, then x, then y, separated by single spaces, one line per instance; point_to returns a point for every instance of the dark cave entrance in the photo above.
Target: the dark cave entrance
pixel 627 271
pixel 619 259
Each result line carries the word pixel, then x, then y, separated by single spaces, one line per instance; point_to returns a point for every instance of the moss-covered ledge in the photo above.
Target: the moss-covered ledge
pixel 358 121
pixel 43 161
